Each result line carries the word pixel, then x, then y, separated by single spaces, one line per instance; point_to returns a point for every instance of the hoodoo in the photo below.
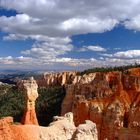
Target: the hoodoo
pixel 31 94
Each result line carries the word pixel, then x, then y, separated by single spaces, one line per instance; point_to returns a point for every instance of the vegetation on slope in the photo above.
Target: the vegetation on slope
pixel 109 69
pixel 12 102
pixel 48 104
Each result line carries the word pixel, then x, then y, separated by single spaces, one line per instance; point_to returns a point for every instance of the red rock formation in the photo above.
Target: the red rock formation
pixel 52 79
pixel 111 100
pixel 5 130
pixel 62 128
pixel 30 90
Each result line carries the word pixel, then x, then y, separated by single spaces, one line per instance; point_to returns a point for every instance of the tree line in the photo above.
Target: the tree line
pixel 109 69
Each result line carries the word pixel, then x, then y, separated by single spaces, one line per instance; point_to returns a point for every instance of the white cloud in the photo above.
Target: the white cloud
pixel 39 37
pixel 72 17
pixel 87 25
pixel 96 48
pixel 21 23
pixel 6 60
pixel 51 24
pixel 63 63
pixel 67 18
pixel 26 25
pixel 120 62
pixel 133 23
pixel 45 47
pixel 49 48
pixel 92 48
pixel 107 55
pixel 15 60
pixel 128 54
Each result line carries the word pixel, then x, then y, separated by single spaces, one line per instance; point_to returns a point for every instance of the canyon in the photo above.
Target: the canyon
pixel 103 106
pixel 62 127
pixel 109 99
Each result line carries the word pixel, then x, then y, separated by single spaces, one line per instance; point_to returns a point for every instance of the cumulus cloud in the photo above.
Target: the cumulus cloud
pixel 133 23
pixel 24 24
pixel 87 25
pixel 21 23
pixel 16 60
pixel 66 18
pixel 63 18
pixel 39 37
pixel 73 17
pixel 51 24
pixel 47 50
pixel 128 54
pixel 45 47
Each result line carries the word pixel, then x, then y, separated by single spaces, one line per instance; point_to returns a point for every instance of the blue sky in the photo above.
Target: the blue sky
pixel 68 34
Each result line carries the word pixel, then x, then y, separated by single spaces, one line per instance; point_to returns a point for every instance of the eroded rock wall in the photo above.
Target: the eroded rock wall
pixel 111 100
pixel 56 79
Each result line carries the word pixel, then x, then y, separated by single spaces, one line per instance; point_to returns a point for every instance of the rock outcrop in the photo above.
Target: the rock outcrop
pixel 62 128
pixel 111 100
pixel 53 79
pixel 5 130
pixel 30 91
pixel 86 131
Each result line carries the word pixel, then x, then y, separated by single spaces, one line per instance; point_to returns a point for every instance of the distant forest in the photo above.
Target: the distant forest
pixel 109 69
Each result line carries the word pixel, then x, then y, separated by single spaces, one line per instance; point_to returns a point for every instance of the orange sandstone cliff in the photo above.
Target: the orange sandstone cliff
pixel 60 78
pixel 111 100
pixel 62 128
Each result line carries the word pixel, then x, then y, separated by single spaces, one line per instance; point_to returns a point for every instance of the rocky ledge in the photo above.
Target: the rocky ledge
pixel 62 128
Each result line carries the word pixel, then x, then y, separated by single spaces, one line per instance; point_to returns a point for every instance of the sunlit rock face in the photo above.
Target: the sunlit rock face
pixel 5 130
pixel 31 94
pixel 62 128
pixel 55 79
pixel 64 78
pixel 111 100
pixel 86 131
